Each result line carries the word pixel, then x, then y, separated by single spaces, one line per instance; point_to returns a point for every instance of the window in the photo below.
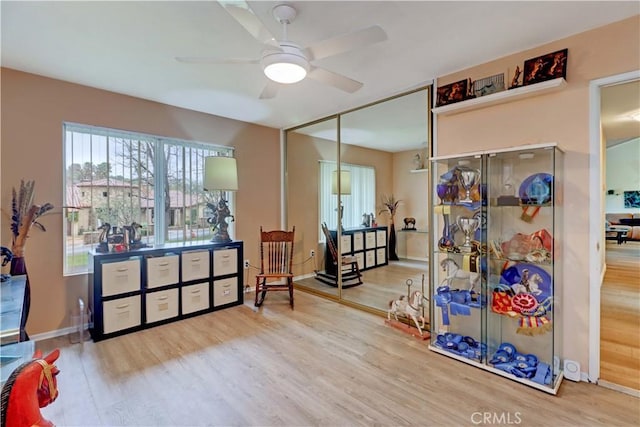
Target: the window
pixel 112 177
pixel 362 199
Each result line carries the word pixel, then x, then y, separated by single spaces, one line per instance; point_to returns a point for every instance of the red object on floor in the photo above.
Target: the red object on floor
pixel 30 387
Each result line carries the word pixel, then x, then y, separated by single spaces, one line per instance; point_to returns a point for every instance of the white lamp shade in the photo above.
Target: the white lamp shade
pixel 220 173
pixel 345 182
pixel 288 65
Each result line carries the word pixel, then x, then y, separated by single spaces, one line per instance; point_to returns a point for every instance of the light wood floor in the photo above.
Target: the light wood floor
pixel 322 364
pixel 620 316
pixel 381 284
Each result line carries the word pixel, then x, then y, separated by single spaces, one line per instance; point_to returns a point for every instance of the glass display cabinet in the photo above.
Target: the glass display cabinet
pixel 496 269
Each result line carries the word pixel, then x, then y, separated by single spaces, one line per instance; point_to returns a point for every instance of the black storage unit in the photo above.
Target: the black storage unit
pixel 367 244
pixel 134 290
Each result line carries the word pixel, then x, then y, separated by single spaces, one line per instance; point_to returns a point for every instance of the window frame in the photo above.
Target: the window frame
pixel 328 202
pixel 189 171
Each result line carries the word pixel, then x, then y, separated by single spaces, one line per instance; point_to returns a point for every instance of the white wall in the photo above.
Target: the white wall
pixel 623 174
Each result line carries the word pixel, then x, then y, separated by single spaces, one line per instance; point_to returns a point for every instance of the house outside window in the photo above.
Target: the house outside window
pixel 112 177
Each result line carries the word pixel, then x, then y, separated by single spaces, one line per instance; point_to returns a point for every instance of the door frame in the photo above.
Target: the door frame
pixel 597 266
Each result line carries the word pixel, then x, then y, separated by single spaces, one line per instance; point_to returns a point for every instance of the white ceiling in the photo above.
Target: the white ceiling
pixel 130 47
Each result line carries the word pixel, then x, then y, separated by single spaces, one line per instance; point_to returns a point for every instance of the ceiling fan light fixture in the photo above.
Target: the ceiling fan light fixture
pixel 286 67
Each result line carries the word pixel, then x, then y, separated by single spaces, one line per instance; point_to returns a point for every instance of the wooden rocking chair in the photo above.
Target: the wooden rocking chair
pixel 276 264
pixel 351 275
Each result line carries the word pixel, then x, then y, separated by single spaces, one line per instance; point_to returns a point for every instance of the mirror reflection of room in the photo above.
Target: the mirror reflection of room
pixel 383 155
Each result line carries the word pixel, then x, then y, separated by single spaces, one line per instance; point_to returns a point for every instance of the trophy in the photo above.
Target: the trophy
pixel 468 178
pixel 508 197
pixel 468 227
pixel 538 191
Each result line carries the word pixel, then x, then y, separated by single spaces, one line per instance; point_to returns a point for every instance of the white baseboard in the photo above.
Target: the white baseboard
pixel 413 258
pixel 620 388
pixel 56 333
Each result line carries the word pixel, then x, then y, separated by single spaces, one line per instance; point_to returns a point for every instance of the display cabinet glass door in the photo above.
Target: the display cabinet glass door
pixel 496 266
pixel 457 287
pixel 523 264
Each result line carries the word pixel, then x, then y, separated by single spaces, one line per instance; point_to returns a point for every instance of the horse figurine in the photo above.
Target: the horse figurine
pixel 411 308
pixel 103 245
pixel 134 237
pixel 455 272
pixel 31 386
pixel 409 223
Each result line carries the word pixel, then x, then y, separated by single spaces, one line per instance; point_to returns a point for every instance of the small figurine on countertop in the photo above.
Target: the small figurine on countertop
pixel 134 236
pixel 409 223
pixel 103 245
pixel 117 239
pixel 366 220
pixel 417 162
pixel 218 220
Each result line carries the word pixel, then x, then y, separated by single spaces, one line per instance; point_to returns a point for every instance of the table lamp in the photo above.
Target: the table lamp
pixel 221 174
pixel 345 187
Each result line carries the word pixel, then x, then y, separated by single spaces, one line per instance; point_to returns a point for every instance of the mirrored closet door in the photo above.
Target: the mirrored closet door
pixel 345 172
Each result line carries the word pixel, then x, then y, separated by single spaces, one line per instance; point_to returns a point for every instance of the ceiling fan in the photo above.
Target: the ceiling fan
pixel 285 62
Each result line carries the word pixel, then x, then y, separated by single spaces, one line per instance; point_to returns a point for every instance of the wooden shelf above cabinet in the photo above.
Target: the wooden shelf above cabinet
pixel 501 97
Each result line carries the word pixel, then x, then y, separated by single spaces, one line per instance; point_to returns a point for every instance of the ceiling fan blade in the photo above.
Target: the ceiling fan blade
pixel 346 42
pixel 206 60
pixel 242 13
pixel 334 79
pixel 270 90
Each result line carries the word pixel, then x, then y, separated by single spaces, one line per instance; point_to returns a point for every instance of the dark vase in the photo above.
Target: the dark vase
pixel 19 268
pixel 393 256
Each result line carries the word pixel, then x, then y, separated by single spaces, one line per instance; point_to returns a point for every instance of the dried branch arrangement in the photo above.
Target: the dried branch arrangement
pixel 24 215
pixel 389 205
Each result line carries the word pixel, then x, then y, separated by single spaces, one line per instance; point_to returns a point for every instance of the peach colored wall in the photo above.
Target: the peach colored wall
pixel 412 189
pixel 561 117
pixel 33 110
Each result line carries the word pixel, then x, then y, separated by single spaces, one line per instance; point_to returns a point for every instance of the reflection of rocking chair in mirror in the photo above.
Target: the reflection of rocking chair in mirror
pixel 276 264
pixel 351 275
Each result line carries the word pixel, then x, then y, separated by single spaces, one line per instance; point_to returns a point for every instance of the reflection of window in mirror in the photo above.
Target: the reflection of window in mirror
pixel 361 200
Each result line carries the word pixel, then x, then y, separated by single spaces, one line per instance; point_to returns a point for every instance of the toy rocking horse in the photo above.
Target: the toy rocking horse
pixel 30 387
pixel 412 308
